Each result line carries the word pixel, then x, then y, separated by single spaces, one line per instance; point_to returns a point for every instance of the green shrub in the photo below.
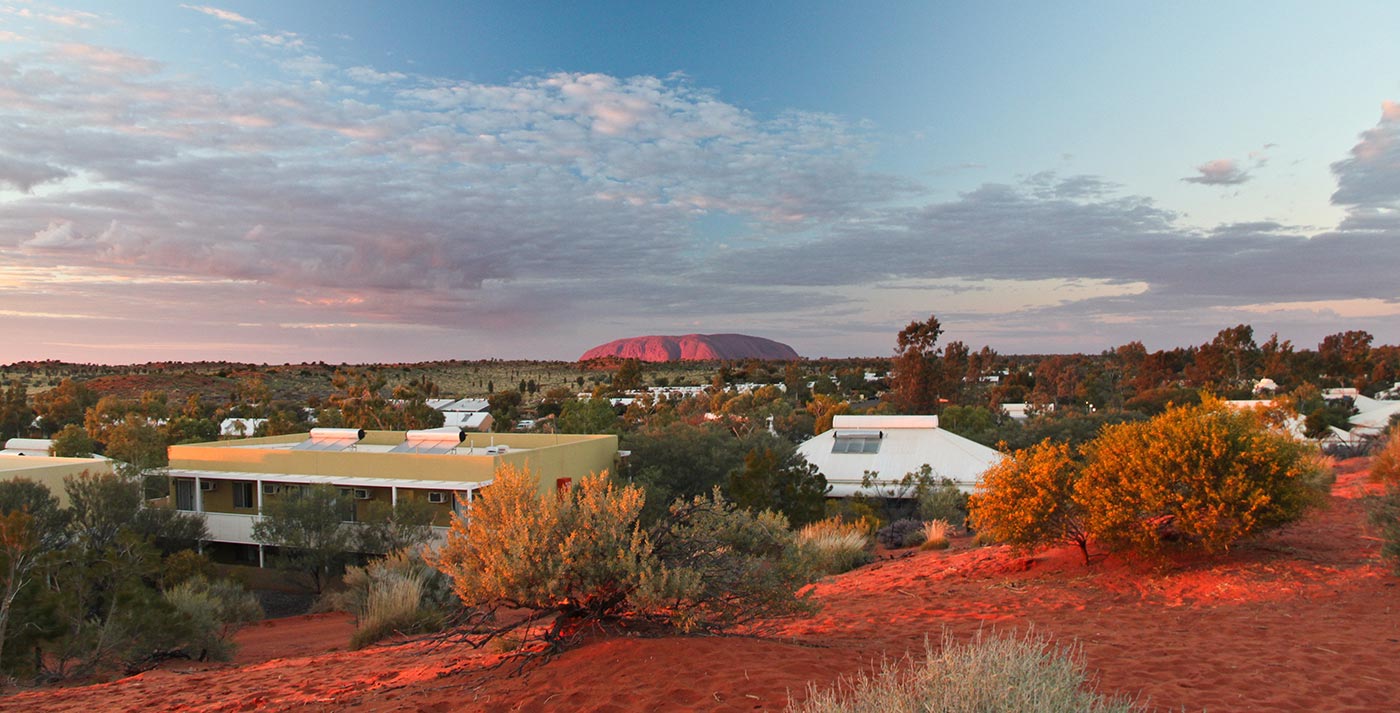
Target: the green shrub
pixel 834 546
pixel 901 533
pixel 185 565
pixel 214 611
pixel 990 674
pixel 944 500
pixel 399 593
pixel 1384 512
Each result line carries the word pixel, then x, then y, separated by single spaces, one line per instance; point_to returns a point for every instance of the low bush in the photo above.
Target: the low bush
pixel 1385 466
pixel 398 594
pixel 834 546
pixel 1384 512
pixel 991 674
pixel 215 610
pixel 901 533
pixel 583 556
pixel 944 500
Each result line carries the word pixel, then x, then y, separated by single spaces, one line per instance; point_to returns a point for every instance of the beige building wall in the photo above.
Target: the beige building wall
pixel 51 471
pixel 549 457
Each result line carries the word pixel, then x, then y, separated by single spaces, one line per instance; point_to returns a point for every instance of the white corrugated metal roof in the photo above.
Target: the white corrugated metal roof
pixel 467 405
pixel 469 420
pixel 1376 414
pixel 902 450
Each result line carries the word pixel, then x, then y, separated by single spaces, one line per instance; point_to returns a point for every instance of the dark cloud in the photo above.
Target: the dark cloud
pixel 1370 177
pixel 24 175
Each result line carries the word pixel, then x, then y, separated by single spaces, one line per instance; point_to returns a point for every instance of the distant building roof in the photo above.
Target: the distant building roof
pixel 467 420
pixel 240 426
pixel 464 405
pixel 893 446
pixel 1376 414
pixel 27 447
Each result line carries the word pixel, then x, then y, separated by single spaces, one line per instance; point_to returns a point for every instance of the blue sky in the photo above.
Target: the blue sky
pixel 271 181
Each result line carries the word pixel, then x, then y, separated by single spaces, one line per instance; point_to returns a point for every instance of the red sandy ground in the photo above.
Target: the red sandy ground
pixel 1305 619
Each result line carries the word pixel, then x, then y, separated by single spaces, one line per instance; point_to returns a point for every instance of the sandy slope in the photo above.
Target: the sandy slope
pixel 1305 619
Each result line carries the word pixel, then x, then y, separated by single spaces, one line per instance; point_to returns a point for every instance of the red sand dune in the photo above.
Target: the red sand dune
pixel 1307 618
pixel 693 347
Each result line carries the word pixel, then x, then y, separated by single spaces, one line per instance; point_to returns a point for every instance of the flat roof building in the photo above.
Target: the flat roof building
pixel 230 481
pixel 50 471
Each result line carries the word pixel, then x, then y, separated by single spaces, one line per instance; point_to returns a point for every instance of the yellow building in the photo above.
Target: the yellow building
pixel 230 481
pixel 50 471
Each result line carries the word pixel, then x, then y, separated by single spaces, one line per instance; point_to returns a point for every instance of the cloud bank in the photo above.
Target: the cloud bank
pixel 323 209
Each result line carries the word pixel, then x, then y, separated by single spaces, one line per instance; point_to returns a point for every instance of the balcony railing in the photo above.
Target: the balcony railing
pixel 232 527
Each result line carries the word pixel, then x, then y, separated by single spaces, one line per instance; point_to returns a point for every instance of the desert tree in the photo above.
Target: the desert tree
pixel 15 413
pixel 63 405
pixel 73 441
pixel 383 527
pixel 1029 499
pixel 916 367
pixel 776 477
pixel 309 530
pixel 31 526
pixel 596 415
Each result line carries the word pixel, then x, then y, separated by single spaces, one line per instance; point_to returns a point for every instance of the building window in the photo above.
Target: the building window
pixel 184 494
pixel 243 495
pixel 857 442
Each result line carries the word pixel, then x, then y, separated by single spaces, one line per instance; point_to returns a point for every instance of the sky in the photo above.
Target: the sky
pixel 358 182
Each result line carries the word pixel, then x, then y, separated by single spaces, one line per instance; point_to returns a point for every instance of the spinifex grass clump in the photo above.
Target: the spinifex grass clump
pixel 936 535
pixel 991 674
pixel 834 546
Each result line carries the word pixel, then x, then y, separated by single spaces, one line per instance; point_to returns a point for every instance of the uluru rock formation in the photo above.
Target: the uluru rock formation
pixel 693 347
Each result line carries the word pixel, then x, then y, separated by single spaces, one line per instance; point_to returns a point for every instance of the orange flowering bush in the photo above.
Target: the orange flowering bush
pixel 1029 499
pixel 1195 477
pixel 582 555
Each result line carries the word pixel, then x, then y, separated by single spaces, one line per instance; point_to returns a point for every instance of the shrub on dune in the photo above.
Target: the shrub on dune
pixel 834 546
pixel 991 674
pixel 936 535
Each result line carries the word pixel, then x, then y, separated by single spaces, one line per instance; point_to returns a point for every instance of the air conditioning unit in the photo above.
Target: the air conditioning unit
pixel 362 494
pixel 437 496
pixel 271 488
pixel 208 486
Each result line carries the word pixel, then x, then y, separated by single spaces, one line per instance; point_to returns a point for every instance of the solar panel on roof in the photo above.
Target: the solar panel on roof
pixel 428 448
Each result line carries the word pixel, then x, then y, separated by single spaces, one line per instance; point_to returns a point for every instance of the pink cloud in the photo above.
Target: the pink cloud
pixel 1220 172
pixel 225 15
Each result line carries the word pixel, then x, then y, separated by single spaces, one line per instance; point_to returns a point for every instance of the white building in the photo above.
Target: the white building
pixel 893 446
